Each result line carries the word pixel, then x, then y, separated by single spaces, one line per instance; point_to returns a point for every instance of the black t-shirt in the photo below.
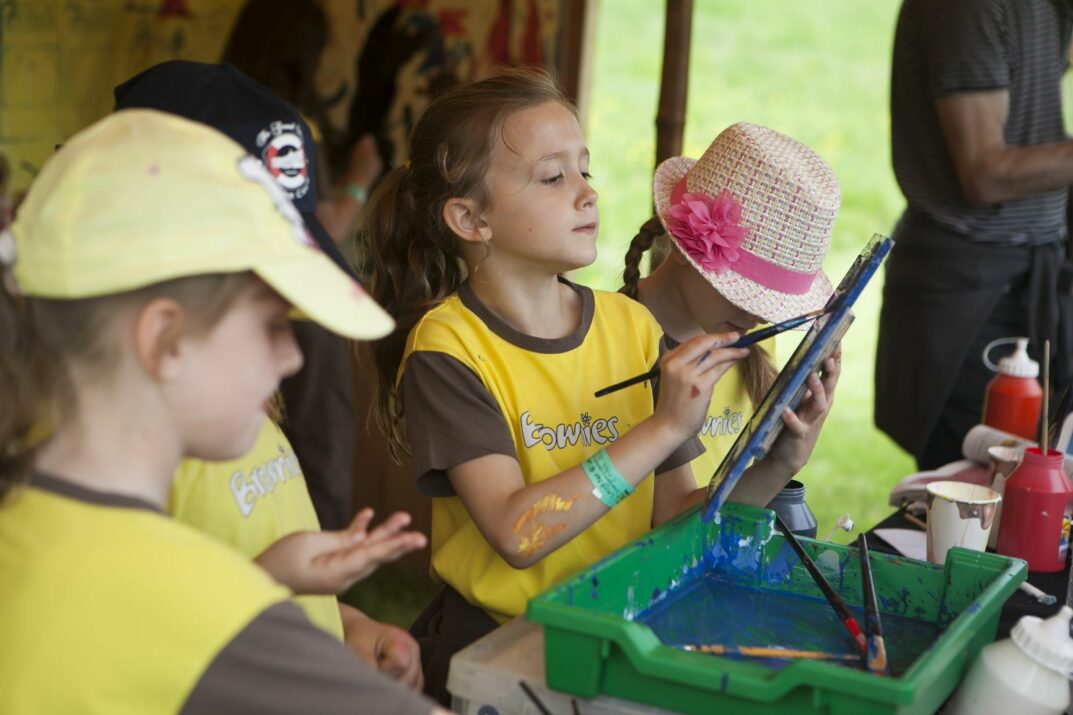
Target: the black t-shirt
pixel 946 47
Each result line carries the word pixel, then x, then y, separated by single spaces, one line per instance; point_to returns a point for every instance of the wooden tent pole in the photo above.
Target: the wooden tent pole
pixel 674 84
pixel 673 93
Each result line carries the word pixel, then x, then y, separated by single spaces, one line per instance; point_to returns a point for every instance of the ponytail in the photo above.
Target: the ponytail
pixel 757 369
pixel 758 373
pixel 413 266
pixel 646 235
pixel 413 258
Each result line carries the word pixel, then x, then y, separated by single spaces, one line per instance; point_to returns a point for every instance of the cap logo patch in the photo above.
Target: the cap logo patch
pixel 283 152
pixel 252 169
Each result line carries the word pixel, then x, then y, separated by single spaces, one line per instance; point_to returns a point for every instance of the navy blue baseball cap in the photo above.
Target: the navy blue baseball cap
pixel 266 125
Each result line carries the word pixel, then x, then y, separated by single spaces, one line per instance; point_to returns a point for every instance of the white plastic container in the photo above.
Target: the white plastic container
pixel 484 678
pixel 1024 674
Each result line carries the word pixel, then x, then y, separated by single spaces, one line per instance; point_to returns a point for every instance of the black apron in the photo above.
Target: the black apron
pixel 940 292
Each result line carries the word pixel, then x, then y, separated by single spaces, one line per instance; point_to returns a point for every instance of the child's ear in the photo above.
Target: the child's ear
pixel 158 328
pixel 463 217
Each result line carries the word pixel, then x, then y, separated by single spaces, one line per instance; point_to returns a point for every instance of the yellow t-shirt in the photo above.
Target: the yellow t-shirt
pixel 109 609
pixel 472 386
pixel 251 502
pixel 728 413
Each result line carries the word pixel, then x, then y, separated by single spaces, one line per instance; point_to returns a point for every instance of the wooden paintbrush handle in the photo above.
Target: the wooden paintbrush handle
pixel 747 651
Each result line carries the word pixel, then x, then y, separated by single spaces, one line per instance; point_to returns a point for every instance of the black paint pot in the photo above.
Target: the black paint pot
pixel 790 505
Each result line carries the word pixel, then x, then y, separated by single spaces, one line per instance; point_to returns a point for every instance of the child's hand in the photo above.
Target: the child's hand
pixel 330 562
pixel 365 162
pixel 389 649
pixel 687 375
pixel 795 444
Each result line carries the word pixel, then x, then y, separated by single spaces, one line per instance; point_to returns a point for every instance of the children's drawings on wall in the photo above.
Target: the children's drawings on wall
pixel 60 59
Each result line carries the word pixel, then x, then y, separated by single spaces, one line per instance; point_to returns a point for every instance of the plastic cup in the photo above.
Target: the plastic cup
pixel 959 514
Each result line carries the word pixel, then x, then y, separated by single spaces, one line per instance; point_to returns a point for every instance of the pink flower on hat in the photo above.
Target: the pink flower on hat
pixel 708 229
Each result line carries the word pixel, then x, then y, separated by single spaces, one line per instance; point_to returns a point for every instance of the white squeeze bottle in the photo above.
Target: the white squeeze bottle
pixel 1024 674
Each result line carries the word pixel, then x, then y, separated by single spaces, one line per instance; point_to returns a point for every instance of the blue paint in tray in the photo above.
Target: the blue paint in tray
pixel 711 609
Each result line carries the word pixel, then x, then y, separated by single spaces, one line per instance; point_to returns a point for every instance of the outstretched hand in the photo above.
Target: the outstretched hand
pixel 794 445
pixel 330 562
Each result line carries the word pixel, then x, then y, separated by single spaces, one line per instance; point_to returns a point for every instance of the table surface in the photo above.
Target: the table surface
pixel 1019 604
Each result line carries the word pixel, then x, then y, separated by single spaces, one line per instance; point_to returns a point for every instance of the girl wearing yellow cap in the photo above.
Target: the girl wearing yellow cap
pixel 147 283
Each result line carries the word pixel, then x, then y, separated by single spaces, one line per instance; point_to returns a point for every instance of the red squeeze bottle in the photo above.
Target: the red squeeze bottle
pixel 1035 517
pixel 1013 398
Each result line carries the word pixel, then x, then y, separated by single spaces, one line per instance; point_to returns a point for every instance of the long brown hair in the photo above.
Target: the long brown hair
pixel 279 43
pixel 757 369
pixel 414 258
pixel 41 338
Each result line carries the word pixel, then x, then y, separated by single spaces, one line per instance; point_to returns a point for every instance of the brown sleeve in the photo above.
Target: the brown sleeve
pixel 281 664
pixel 691 448
pixel 451 418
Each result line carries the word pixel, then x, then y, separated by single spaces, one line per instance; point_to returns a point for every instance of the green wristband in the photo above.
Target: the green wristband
pixel 608 485
pixel 358 193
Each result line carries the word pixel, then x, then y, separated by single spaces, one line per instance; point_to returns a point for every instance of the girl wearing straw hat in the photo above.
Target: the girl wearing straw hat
pixel 751 224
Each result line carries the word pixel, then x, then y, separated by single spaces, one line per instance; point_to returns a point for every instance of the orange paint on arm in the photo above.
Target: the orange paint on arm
pixel 532 533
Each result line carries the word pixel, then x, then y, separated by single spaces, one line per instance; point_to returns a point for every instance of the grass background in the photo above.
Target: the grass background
pixel 818 72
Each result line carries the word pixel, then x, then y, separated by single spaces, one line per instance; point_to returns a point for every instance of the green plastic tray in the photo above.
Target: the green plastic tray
pixel 593 645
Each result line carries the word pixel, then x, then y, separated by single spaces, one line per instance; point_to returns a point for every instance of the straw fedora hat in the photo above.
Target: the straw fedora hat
pixel 754 216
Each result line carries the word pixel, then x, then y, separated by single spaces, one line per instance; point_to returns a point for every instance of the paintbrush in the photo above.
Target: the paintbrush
pixel 533 697
pixel 877 649
pixel 1058 416
pixel 1046 433
pixel 833 598
pixel 742 342
pixel 750 651
pixel 915 521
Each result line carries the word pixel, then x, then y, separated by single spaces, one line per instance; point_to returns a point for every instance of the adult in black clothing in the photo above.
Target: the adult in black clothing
pixel 982 157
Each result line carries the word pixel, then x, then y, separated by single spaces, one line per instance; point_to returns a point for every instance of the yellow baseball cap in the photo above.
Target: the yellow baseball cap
pixel 144 196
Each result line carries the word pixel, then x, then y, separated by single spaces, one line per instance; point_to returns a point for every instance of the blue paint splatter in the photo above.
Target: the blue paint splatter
pixel 734 615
